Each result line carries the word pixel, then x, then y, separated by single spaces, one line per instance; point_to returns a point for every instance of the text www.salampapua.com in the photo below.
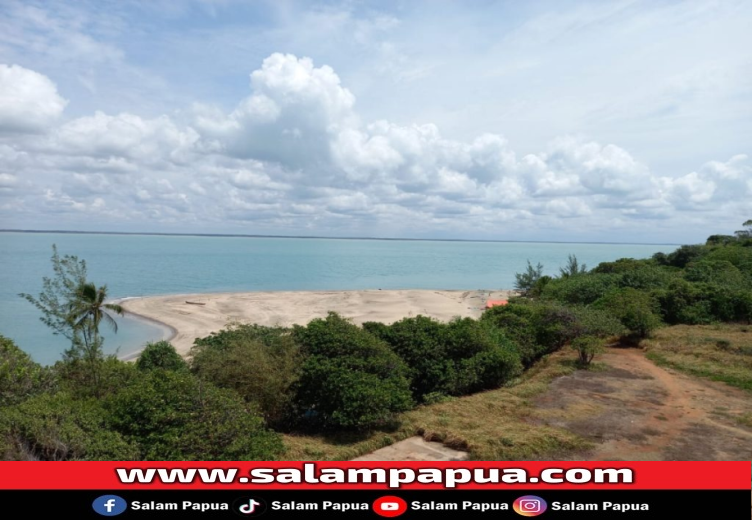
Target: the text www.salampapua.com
pixel 393 477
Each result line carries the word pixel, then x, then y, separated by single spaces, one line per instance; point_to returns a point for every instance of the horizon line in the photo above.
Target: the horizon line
pixel 241 235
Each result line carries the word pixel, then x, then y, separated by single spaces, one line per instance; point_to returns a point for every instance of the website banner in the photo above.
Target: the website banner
pixel 368 490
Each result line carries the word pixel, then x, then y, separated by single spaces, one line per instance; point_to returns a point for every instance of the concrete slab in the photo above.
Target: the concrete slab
pixel 415 448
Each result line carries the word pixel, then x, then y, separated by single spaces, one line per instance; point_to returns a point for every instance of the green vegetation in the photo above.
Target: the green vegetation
pixel 720 352
pixel 260 363
pixel 446 359
pixel 350 379
pixel 74 307
pixel 525 282
pixel 334 390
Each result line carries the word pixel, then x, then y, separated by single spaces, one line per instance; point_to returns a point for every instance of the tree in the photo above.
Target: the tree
pixel 160 356
pixel 20 377
pixel 527 280
pixel 350 379
pixel 74 307
pixel 174 415
pixel 573 267
pixel 747 232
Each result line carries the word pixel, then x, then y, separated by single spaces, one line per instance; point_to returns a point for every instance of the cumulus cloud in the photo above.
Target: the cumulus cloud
pixel 29 101
pixel 295 155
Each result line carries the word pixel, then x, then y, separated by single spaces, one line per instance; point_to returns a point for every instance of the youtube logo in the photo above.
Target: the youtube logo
pixel 389 506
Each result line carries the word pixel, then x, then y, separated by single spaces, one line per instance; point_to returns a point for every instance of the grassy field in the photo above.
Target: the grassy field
pixel 492 425
pixel 717 352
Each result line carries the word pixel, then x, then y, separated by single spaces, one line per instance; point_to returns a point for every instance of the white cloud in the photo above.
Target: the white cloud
pixel 294 155
pixel 29 101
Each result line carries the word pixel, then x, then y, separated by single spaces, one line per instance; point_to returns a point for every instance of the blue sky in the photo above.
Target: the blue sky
pixel 566 120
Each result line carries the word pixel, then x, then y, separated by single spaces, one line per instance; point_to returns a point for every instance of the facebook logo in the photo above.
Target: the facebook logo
pixel 109 505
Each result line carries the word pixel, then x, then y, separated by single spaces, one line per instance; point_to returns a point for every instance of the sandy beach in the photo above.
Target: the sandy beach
pixel 207 313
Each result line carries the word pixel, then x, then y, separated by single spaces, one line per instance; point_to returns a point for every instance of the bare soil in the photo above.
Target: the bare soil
pixel 634 410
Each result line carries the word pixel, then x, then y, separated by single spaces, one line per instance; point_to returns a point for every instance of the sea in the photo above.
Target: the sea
pixel 147 265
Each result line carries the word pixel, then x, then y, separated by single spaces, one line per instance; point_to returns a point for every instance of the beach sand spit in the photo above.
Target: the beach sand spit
pixel 190 321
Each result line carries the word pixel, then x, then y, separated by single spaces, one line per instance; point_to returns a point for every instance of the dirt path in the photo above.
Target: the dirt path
pixel 635 410
pixel 631 410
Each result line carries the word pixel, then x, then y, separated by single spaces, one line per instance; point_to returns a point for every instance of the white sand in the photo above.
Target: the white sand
pixel 191 321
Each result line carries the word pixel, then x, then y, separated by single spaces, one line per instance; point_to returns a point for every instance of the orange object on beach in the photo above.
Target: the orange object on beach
pixel 494 303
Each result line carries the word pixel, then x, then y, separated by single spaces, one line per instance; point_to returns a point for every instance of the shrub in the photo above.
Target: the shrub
pixel 685 254
pixel 480 355
pixel 539 286
pixel 740 257
pixel 719 272
pixel 174 416
pixel 455 358
pixel 73 376
pixel 647 277
pixel 580 289
pixel 350 379
pixel 589 321
pixel 419 342
pixel 160 355
pixel 587 347
pixel 635 309
pixel 518 322
pixel 622 265
pixel 59 427
pixel 684 302
pixel 262 364
pixel 20 376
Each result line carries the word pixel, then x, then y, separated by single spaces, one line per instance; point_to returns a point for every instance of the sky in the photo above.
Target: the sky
pixel 617 121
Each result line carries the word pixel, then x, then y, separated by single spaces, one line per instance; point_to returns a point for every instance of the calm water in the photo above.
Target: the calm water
pixel 136 265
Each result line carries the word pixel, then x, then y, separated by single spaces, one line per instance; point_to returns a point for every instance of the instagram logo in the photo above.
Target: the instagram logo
pixel 530 505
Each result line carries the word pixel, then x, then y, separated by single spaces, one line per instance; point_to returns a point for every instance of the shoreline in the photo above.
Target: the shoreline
pixel 170 331
pixel 211 312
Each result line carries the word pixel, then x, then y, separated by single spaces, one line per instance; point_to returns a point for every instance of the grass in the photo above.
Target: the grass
pixel 716 352
pixel 492 425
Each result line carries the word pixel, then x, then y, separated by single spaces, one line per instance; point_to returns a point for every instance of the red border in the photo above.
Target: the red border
pixel 646 475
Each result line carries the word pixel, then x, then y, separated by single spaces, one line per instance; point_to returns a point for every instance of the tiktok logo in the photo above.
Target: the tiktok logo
pixel 249 506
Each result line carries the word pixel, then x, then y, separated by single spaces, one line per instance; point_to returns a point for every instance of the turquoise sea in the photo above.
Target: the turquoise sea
pixel 144 265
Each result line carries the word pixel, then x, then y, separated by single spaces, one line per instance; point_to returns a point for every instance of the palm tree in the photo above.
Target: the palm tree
pixel 87 311
pixel 89 306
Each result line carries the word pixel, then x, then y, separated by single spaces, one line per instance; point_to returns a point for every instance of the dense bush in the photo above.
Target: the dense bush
pixel 60 427
pixel 635 309
pixel 622 265
pixel 718 272
pixel 518 321
pixel 480 356
pixel 350 379
pixel 580 289
pixel 173 415
pixel 261 363
pixel 20 376
pixel 73 376
pixel 740 257
pixel 682 256
pixel 685 302
pixel 536 327
pixel 160 355
pixel 454 358
pixel 419 342
pixel 647 277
